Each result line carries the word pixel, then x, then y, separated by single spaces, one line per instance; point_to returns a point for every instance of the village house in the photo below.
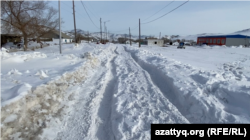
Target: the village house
pixel 54 37
pixel 158 42
pixel 15 38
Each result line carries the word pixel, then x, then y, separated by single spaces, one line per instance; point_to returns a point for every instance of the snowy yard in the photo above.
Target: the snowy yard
pixel 116 91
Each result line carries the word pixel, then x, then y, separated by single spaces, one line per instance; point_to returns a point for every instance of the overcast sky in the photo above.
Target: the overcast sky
pixel 194 17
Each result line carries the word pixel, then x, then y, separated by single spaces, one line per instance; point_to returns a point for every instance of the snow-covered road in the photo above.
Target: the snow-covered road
pixel 115 92
pixel 128 93
pixel 118 102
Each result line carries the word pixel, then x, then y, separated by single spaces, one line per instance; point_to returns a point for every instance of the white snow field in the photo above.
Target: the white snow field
pixel 117 91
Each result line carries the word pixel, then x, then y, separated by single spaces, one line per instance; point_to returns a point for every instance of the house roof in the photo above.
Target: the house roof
pixel 227 36
pixel 155 39
pixel 19 35
pixel 63 35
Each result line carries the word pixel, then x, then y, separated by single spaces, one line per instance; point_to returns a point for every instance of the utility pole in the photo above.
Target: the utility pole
pixel 106 34
pixel 60 45
pixel 139 33
pixel 104 31
pixel 88 36
pixel 101 28
pixel 125 38
pixel 129 36
pixel 74 20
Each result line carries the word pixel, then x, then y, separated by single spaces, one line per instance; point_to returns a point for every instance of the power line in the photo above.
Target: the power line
pixel 78 14
pixel 63 8
pixel 160 10
pixel 126 29
pixel 88 15
pixel 167 13
pixel 93 13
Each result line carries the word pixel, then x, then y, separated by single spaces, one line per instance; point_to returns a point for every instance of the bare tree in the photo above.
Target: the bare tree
pixel 31 18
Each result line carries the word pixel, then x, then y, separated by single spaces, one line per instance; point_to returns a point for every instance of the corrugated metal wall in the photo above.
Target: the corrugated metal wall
pixel 237 41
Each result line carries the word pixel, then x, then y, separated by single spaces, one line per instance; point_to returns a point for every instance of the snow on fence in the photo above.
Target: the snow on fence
pixel 27 117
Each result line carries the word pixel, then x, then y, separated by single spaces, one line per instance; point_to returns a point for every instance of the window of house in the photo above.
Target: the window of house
pixel 214 41
pixel 207 41
pixel 222 41
pixel 211 40
pixel 218 41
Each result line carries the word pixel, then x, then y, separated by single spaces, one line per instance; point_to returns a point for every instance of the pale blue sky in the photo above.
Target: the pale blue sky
pixel 194 17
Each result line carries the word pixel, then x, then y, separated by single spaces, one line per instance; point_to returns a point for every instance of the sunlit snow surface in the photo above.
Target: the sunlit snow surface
pixel 118 90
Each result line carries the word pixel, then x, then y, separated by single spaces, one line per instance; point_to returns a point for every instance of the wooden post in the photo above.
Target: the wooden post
pixel 74 20
pixel 129 36
pixel 60 38
pixel 88 36
pixel 139 33
pixel 101 29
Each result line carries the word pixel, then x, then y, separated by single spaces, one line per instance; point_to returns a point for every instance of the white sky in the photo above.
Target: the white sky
pixel 194 17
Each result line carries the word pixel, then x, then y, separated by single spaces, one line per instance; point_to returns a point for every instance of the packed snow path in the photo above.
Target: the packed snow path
pixel 117 91
pixel 119 102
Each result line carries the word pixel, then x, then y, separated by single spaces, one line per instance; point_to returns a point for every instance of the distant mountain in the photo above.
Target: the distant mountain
pixel 243 32
pixel 134 37
pixel 194 37
pixel 97 35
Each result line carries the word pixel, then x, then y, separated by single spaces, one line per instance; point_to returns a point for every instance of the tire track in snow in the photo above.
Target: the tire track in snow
pixel 138 102
pixel 78 122
pixel 164 83
pixel 105 131
pixel 91 116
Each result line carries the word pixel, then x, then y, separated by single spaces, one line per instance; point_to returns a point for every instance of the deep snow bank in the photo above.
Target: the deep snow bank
pixel 201 96
pixel 38 105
